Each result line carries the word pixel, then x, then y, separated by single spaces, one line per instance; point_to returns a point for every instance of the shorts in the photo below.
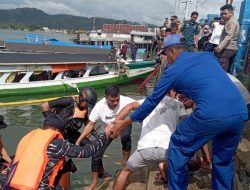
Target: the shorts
pixel 146 157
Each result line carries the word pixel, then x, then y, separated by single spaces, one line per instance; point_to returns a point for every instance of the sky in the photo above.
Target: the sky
pixel 142 11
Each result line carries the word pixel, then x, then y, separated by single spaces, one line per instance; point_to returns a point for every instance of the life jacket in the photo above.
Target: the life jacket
pixel 79 114
pixel 31 159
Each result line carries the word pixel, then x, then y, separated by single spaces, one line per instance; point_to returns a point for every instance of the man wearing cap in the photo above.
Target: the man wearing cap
pixel 227 48
pixel 190 31
pixel 218 116
pixel 41 153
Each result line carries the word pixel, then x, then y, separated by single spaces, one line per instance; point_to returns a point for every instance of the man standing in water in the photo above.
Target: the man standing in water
pixel 106 111
pixel 218 116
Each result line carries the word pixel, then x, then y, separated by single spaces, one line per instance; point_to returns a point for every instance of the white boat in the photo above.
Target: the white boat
pixel 28 78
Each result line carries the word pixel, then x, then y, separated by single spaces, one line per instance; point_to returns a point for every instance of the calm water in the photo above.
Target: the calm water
pixel 22 119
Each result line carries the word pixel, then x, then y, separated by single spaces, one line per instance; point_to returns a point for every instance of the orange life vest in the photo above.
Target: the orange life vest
pixel 79 114
pixel 31 159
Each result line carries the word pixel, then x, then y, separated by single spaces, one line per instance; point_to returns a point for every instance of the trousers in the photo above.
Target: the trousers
pixel 190 135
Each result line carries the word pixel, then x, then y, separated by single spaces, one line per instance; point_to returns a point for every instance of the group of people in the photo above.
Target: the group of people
pixel 123 51
pixel 219 36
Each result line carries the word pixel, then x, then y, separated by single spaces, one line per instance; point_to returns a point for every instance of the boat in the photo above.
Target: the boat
pixel 55 73
pixel 33 43
pixel 36 43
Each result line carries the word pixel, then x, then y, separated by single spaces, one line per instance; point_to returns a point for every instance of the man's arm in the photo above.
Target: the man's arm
pixel 64 102
pixel 64 148
pixel 126 110
pixel 86 131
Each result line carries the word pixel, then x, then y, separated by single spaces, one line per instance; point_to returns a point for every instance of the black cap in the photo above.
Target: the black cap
pixel 2 124
pixel 54 120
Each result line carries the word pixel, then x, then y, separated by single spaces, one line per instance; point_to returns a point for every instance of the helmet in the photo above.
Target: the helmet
pixel 88 94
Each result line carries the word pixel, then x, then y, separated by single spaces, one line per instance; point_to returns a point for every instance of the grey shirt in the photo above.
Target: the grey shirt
pixel 229 36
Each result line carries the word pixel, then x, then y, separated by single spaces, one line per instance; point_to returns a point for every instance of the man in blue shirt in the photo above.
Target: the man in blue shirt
pixel 190 31
pixel 219 114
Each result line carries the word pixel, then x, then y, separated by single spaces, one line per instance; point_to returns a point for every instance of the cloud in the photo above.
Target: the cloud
pixel 144 11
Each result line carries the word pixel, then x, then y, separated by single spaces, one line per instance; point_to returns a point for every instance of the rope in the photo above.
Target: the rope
pixel 2 104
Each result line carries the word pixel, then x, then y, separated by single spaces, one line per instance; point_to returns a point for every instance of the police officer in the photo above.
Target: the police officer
pixel 190 31
pixel 226 50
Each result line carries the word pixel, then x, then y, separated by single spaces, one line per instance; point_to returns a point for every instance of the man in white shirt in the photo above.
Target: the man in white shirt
pixel 214 41
pixel 157 129
pixel 106 111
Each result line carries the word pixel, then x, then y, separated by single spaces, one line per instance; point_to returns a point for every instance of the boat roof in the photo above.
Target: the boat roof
pixel 7 57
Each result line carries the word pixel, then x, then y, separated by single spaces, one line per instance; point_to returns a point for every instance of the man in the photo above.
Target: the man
pixel 190 31
pixel 218 25
pixel 218 116
pixel 124 50
pixel 166 23
pixel 174 25
pixel 227 48
pixel 74 111
pixel 41 153
pixel 134 49
pixel 106 110
pixel 155 136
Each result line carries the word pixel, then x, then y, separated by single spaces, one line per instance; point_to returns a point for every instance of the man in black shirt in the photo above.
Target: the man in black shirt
pixel 74 111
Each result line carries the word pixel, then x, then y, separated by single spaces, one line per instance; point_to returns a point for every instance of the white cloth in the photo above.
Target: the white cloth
pixel 244 92
pixel 158 127
pixel 215 38
pixel 102 112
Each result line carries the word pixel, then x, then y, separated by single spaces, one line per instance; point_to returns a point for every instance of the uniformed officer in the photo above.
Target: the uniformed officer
pixel 190 31
pixel 226 50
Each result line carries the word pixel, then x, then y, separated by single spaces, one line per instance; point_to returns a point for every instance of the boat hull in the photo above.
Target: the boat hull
pixel 69 85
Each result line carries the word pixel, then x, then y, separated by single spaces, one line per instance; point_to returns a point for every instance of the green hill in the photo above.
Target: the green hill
pixel 32 18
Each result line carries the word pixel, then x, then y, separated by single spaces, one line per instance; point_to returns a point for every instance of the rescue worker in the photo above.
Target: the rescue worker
pixel 41 153
pixel 218 117
pixel 227 48
pixel 74 111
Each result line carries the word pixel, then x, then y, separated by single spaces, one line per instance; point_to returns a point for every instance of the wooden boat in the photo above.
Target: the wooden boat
pixel 20 75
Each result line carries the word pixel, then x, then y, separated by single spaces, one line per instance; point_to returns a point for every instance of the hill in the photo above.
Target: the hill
pixel 32 17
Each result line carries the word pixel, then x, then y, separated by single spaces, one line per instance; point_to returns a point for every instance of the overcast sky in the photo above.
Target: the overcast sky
pixel 143 11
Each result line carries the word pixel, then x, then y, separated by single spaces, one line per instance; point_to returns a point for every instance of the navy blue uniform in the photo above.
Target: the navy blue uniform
pixel 218 116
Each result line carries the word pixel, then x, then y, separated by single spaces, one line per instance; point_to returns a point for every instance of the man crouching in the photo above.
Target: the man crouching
pixel 41 154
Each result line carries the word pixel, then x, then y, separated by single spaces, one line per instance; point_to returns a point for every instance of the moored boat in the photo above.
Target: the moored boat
pixel 24 78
